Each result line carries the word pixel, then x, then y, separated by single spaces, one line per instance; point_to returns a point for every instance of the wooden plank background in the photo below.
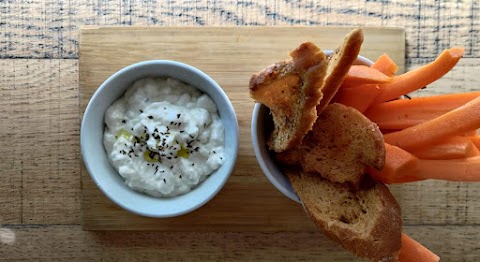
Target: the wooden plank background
pixel 40 168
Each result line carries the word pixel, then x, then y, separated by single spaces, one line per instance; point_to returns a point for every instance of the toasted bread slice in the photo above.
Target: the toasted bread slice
pixel 365 221
pixel 341 145
pixel 339 64
pixel 291 89
pixel 299 89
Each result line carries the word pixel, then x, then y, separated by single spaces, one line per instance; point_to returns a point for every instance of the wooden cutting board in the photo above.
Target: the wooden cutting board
pixel 230 55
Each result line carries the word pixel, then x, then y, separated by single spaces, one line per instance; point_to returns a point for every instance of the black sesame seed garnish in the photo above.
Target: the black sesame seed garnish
pixel 150 117
pixel 197 148
pixel 407 96
pixel 141 111
pixel 181 131
pixel 171 123
pixel 164 181
pixel 180 176
pixel 192 137
pixel 214 152
pixel 169 157
pixel 123 121
pixel 193 164
pixel 171 167
pixel 178 116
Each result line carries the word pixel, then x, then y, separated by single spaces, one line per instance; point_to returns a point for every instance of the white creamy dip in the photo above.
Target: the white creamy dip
pixel 164 137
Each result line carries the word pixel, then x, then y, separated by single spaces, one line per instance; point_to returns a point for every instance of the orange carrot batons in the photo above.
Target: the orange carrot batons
pixel 422 76
pixel 385 65
pixel 476 140
pixel 459 170
pixel 404 113
pixel 455 122
pixel 402 167
pixel 360 97
pixel 398 162
pixel 452 148
pixel 361 74
pixel 473 132
pixel 412 251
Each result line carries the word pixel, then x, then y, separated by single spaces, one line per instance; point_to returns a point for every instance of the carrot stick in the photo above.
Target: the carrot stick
pixel 470 133
pixel 402 167
pixel 361 74
pixel 455 122
pixel 453 148
pixel 475 140
pixel 397 164
pixel 360 97
pixel 422 76
pixel 388 131
pixel 404 113
pixel 465 169
pixel 412 251
pixel 385 65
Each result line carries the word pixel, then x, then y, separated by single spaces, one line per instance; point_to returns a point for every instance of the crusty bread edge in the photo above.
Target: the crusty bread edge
pixel 268 74
pixel 308 117
pixel 378 138
pixel 343 58
pixel 362 247
pixel 312 95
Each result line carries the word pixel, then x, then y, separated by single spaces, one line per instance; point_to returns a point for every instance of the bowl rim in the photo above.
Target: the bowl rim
pixel 229 111
pixel 269 166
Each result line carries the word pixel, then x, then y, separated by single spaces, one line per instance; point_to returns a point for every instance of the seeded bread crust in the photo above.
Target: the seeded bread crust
pixel 365 221
pixel 292 90
pixel 341 145
pixel 339 65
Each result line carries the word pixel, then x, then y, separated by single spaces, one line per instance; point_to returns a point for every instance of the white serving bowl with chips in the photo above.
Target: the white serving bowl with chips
pixel 262 125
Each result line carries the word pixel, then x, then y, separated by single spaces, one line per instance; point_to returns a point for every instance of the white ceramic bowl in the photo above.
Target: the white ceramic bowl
pixel 262 125
pixel 107 178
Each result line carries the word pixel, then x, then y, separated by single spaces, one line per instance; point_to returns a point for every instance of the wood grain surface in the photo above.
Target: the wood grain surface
pixel 52 31
pixel 71 243
pixel 39 101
